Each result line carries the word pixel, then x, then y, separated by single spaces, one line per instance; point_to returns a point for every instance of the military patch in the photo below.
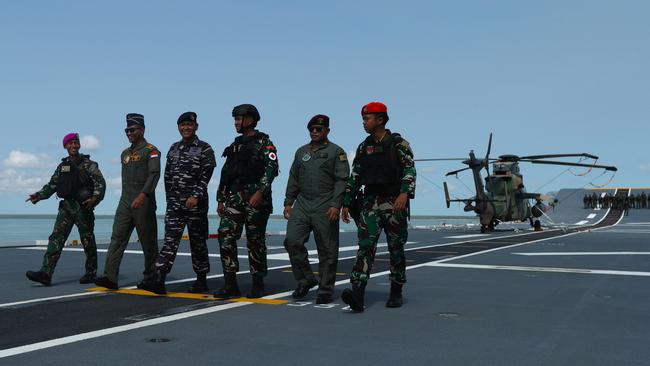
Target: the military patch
pixel 135 157
pixel 272 156
pixel 154 154
pixel 343 157
pixel 404 143
pixel 370 149
pixel 195 151
pixel 306 157
pixel 151 147
pixel 126 159
pixel 65 168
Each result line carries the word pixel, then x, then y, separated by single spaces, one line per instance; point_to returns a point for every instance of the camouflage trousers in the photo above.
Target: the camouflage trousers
pixel 238 213
pixel 197 228
pixel 71 213
pixel 377 214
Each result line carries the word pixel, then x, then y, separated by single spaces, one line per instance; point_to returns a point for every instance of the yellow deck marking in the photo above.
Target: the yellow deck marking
pixel 187 295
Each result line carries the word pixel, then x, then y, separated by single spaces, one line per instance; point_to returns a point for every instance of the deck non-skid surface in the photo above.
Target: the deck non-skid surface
pixel 507 309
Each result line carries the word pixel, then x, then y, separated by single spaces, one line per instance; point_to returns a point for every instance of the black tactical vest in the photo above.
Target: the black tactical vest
pixel 380 170
pixel 244 162
pixel 74 182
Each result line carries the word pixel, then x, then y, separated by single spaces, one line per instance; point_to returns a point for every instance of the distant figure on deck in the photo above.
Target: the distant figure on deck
pixel 81 186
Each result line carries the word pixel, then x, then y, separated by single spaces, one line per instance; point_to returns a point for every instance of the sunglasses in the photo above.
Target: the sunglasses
pixel 131 130
pixel 316 128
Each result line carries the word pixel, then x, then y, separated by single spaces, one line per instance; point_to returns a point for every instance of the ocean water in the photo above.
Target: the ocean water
pixel 17 230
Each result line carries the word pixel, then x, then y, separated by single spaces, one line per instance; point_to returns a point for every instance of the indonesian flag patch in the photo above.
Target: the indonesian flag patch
pixel 272 156
pixel 154 154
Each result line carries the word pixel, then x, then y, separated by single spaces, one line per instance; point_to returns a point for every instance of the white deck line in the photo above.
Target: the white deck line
pixel 99 333
pixel 541 269
pixel 530 254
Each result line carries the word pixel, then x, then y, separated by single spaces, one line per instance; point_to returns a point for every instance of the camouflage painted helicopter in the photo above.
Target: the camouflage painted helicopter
pixel 503 197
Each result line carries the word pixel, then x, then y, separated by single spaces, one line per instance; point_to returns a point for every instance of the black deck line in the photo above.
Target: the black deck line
pixel 55 319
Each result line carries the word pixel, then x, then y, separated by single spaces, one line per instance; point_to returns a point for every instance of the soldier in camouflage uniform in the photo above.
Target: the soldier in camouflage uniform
pixel 313 202
pixel 137 206
pixel 384 166
pixel 244 199
pixel 80 184
pixel 190 163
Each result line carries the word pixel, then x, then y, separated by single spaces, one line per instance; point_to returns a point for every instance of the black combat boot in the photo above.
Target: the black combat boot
pixel 230 289
pixel 395 297
pixel 303 289
pixel 200 284
pixel 354 296
pixel 157 285
pixel 105 282
pixel 257 289
pixel 87 278
pixel 40 277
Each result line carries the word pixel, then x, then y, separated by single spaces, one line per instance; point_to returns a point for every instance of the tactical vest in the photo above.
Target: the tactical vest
pixel 244 162
pixel 74 182
pixel 380 171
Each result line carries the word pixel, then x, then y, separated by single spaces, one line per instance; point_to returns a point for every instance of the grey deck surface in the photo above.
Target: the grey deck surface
pixel 477 300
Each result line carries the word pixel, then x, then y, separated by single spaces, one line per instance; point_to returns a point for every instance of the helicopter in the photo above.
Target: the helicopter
pixel 503 197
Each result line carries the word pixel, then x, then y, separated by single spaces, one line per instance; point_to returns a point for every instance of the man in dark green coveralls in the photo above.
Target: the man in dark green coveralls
pixel 312 202
pixel 244 197
pixel 80 184
pixel 137 206
pixel 384 167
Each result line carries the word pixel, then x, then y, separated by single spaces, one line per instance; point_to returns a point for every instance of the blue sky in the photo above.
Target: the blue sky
pixel 544 77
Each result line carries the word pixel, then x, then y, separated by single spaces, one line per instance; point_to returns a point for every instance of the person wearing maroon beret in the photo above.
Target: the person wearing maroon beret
pixel 377 196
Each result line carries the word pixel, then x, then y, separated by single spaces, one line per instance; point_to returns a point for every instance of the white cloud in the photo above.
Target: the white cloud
pixel 89 142
pixel 20 159
pixel 18 182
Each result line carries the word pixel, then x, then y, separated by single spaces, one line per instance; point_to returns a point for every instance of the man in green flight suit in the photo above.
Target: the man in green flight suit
pixel 137 206
pixel 244 199
pixel 80 184
pixel 384 166
pixel 313 202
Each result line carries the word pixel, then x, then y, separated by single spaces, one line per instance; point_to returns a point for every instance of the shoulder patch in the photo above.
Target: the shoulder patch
pixel 404 143
pixel 151 147
pixel 343 157
pixel 272 156
pixel 154 154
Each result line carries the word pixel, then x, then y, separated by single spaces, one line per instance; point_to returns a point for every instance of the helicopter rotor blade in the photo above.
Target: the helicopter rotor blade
pixel 456 172
pixel 534 157
pixel 441 159
pixel 610 168
pixel 487 156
